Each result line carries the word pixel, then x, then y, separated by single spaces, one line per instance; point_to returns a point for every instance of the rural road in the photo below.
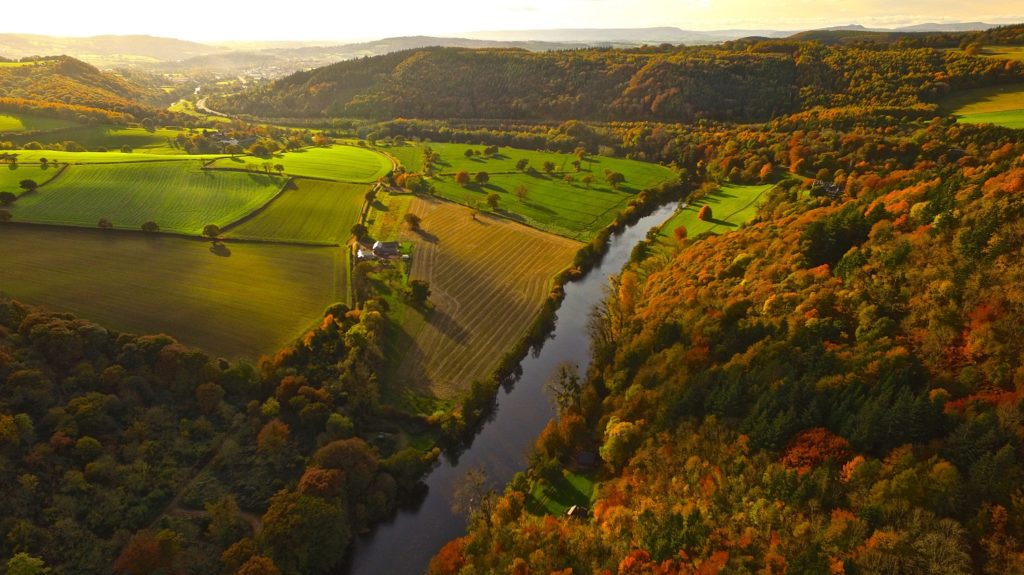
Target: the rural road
pixel 201 106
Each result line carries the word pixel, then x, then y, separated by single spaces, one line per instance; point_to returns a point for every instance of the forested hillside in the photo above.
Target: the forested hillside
pixel 746 83
pixel 67 87
pixel 135 454
pixel 834 388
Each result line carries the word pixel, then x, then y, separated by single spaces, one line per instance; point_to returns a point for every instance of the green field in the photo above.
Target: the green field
pixel 1008 119
pixel 178 196
pixel 337 163
pixel 33 156
pixel 1008 52
pixel 12 174
pixel 29 123
pixel 557 498
pixel 731 207
pixel 639 175
pixel 1001 105
pixel 250 300
pixel 571 209
pixel 159 141
pixel 313 211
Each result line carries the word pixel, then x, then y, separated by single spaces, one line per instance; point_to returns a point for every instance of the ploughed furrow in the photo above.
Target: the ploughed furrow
pixel 488 281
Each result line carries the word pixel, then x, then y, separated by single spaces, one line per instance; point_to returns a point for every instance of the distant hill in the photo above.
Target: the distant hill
pixel 104 51
pixel 58 84
pixel 734 83
pixel 280 61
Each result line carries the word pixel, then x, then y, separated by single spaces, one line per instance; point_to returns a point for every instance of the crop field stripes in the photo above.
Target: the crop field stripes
pixel 488 278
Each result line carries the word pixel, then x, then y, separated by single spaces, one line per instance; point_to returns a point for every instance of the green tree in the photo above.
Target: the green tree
pixel 482 178
pixel 28 185
pixel 359 231
pixel 25 564
pixel 521 192
pixel 615 179
pixel 7 198
pixel 419 291
pixel 412 220
pixel 211 231
pixel 493 200
pixel 549 167
pixel 522 163
pixel 304 533
pixel 150 227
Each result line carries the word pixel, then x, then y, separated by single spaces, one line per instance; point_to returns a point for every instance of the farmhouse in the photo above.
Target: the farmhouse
pixel 387 249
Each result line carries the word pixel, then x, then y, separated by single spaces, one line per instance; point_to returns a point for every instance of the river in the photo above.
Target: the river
pixel 405 544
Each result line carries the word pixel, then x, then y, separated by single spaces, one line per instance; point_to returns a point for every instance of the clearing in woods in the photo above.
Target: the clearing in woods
pixel 308 211
pixel 338 163
pixel 1000 105
pixel 731 206
pixel 560 202
pixel 243 300
pixel 178 196
pixel 488 278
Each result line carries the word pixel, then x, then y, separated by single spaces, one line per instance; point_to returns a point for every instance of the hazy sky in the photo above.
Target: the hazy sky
pixel 209 20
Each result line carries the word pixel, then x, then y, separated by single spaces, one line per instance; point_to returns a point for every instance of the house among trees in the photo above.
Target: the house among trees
pixel 577 512
pixel 387 249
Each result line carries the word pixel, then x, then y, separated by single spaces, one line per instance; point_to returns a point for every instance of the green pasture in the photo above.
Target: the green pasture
pixel 243 301
pixel 638 175
pixel 555 499
pixel 337 163
pixel 111 157
pixel 311 211
pixel 731 206
pixel 1001 105
pixel 1008 119
pixel 551 204
pixel 10 123
pixel 12 174
pixel 1008 52
pixel 158 141
pixel 178 196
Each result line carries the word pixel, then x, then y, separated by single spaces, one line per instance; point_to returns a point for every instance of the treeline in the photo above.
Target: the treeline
pixel 834 388
pixel 742 83
pixel 135 454
pixel 64 86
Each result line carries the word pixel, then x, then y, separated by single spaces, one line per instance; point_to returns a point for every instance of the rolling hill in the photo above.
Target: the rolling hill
pixel 748 83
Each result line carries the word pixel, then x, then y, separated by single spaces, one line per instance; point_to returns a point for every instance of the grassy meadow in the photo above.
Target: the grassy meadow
pixel 112 157
pixel 311 211
pixel 158 141
pixel 731 206
pixel 249 300
pixel 453 158
pixel 1008 52
pixel 568 208
pixel 178 196
pixel 12 174
pixel 338 163
pixel 29 123
pixel 1001 105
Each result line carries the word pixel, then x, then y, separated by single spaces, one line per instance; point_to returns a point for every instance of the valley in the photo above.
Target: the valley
pixel 579 300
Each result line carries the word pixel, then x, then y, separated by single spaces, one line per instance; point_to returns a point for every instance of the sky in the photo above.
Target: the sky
pixel 222 20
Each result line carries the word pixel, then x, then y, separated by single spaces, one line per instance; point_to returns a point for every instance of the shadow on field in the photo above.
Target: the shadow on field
pixel 219 249
pixel 426 236
pixel 447 325
pixel 722 222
